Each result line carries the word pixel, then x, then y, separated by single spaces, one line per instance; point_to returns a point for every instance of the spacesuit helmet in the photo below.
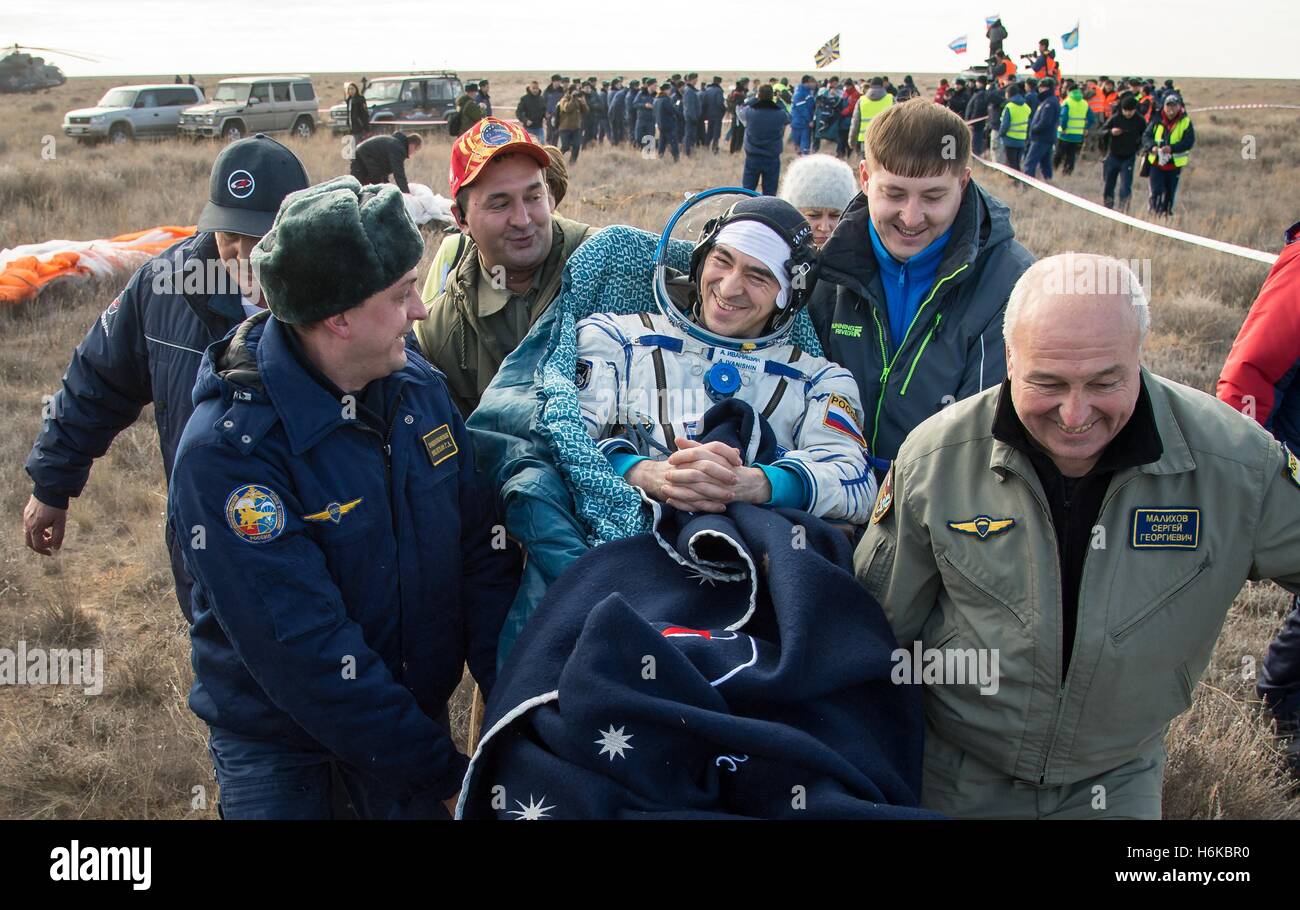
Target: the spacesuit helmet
pixel 764 227
pixel 798 271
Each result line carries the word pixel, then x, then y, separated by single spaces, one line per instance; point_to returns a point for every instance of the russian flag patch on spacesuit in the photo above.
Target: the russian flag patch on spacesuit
pixel 841 416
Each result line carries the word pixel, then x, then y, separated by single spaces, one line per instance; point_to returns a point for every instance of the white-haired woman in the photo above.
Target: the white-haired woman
pixel 820 187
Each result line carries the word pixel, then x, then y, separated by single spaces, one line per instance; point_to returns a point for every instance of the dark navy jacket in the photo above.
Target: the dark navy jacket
pixel 346 573
pixel 1045 119
pixel 666 115
pixel 765 123
pixel 146 347
pixel 713 102
pixel 618 105
pixel 691 109
pixel 643 116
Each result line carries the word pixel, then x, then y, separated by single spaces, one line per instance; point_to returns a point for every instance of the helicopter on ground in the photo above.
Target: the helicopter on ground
pixel 22 72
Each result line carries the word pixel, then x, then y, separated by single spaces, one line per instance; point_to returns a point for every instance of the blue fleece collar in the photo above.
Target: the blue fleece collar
pixel 906 283
pixel 926 260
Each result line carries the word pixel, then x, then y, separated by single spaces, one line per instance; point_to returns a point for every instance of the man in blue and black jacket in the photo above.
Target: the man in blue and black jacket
pixel 765 122
pixel 146 346
pixel 345 558
pixel 914 281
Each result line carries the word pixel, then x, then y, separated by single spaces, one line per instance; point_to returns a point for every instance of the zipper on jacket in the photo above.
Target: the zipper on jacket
pixel 1065 681
pixel 884 375
pixel 386 447
pixel 884 354
pixel 928 335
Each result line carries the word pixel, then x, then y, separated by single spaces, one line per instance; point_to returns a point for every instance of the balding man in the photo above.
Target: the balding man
pixel 1057 556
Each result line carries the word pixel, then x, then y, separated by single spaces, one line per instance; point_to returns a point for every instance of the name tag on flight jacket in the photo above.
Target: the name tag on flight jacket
pixel 1166 529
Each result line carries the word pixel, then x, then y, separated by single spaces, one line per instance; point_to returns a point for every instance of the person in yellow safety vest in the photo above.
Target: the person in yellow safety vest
pixel 1014 127
pixel 1076 119
pixel 1167 140
pixel 871 105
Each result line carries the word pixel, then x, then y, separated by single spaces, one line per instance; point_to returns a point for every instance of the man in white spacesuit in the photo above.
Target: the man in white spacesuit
pixel 646 380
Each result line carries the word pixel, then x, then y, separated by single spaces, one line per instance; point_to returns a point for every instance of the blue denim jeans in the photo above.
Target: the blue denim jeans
pixel 1120 169
pixel 260 779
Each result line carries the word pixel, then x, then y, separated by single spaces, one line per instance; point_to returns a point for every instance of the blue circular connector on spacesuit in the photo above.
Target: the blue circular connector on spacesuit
pixel 721 382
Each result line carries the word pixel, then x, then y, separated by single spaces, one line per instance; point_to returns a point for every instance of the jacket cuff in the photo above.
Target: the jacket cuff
pixel 616 444
pixel 788 488
pixel 622 462
pixel 48 497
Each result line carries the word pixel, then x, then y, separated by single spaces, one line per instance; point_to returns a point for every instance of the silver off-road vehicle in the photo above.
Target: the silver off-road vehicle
pixel 254 104
pixel 132 112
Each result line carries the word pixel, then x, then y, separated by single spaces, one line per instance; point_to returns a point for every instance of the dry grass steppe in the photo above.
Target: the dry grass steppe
pixel 136 751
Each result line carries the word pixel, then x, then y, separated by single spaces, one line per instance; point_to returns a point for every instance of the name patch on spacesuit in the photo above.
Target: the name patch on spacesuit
pixel 742 361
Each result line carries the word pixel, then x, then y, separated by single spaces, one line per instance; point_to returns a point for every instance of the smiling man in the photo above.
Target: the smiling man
pixel 645 381
pixel 510 272
pixel 332 518
pixel 1089 523
pixel 916 275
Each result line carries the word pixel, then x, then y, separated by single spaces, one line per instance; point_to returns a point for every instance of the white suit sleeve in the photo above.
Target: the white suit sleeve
pixel 830 450
pixel 603 359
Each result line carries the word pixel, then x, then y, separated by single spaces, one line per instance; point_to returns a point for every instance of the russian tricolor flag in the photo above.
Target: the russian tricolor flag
pixel 958 45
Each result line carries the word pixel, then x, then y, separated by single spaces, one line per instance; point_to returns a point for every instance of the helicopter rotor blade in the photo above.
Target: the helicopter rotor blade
pixel 56 50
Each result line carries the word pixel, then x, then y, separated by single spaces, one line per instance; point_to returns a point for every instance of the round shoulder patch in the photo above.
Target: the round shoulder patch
pixel 884 497
pixel 255 513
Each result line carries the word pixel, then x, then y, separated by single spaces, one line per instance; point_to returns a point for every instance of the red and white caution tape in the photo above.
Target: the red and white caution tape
pixel 1244 107
pixel 1098 209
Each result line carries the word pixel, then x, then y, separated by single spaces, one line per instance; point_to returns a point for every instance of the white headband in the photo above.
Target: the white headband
pixel 758 240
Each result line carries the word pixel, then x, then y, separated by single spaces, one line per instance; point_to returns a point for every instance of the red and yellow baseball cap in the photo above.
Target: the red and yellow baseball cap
pixel 486 139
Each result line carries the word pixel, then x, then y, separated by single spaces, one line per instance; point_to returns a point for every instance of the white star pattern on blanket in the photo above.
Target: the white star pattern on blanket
pixel 613 741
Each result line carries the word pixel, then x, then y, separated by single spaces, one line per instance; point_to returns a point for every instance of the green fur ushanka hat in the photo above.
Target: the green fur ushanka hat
pixel 333 245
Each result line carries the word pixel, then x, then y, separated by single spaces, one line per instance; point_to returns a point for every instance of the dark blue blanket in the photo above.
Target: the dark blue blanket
pixel 723 666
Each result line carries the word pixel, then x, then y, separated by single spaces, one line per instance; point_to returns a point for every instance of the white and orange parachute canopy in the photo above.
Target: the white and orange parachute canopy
pixel 27 270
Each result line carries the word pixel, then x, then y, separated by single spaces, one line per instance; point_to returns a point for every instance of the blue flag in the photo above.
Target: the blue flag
pixel 1070 40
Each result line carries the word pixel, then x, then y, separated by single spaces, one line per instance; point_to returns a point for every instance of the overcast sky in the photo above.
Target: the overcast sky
pixel 1146 37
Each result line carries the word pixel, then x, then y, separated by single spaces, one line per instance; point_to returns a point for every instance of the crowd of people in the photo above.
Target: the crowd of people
pixel 872 349
pixel 1038 122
